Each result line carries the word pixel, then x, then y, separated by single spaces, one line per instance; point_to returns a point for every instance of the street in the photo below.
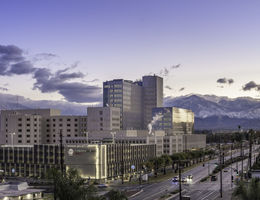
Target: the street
pixel 195 189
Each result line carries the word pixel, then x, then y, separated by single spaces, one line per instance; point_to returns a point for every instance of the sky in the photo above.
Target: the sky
pixel 64 50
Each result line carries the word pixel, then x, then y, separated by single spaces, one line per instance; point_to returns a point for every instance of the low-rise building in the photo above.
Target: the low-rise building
pixel 94 161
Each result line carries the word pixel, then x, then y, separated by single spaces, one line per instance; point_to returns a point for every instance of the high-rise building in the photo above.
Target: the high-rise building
pixel 126 95
pixel 174 120
pixel 152 96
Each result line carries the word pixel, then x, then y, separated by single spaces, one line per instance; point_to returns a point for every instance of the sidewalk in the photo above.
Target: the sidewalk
pixel 227 195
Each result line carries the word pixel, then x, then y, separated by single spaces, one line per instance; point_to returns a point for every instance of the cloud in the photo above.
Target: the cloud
pixel 175 66
pixel 24 67
pixel 166 71
pixel 12 62
pixel 3 89
pixel 181 89
pixel 225 81
pixel 251 85
pixel 168 87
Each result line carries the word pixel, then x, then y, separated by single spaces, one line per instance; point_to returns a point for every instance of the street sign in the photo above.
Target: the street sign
pixel 13 170
pixel 132 167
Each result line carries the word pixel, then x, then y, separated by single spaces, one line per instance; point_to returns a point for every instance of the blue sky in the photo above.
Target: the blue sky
pixel 129 38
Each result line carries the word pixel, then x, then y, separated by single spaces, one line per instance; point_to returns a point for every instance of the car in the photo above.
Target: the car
pixel 214 178
pixel 175 179
pixel 183 179
pixel 190 177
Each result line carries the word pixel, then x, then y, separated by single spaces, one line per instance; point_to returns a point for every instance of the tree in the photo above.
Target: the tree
pixel 70 186
pixel 166 162
pixel 248 192
pixel 116 195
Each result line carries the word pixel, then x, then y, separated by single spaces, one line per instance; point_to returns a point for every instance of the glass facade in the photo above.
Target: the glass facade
pixel 180 121
pixel 127 96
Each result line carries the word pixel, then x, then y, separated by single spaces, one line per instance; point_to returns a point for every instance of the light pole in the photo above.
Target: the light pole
pixel 87 137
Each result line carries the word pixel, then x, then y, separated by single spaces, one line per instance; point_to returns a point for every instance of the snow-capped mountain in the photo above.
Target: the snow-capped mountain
pixel 211 112
pixel 209 105
pixel 214 112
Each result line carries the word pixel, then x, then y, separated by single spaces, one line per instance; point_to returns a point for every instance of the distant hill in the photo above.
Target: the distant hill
pixel 211 112
pixel 8 101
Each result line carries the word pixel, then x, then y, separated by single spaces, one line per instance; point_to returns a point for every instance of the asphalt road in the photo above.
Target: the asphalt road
pixel 208 190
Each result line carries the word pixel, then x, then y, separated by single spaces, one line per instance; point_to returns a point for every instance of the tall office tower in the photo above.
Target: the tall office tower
pixel 152 96
pixel 127 96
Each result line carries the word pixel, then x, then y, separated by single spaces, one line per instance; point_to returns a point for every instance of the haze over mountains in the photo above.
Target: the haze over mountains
pixel 211 112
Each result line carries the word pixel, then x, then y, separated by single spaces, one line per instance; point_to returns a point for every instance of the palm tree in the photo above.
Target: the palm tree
pixel 250 191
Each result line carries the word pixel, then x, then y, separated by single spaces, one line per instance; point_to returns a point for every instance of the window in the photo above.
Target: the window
pixel 19 130
pixel 68 120
pixel 101 112
pixel 60 125
pixel 76 120
pixel 47 135
pixel 47 130
pixel 60 119
pixel 20 119
pixel 35 141
pixel 20 125
pixel 101 118
pixel 19 136
pixel 28 141
pixel 27 135
pixel 53 120
pixel 68 124
pixel 68 130
pixel 19 141
pixel 47 120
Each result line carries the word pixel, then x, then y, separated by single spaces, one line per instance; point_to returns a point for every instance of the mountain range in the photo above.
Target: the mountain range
pixel 214 112
pixel 211 112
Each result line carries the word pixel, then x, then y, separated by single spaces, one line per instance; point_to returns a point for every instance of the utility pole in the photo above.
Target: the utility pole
pixel 122 162
pixel 220 164
pixel 61 154
pixel 179 166
pixel 250 149
pixel 231 166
